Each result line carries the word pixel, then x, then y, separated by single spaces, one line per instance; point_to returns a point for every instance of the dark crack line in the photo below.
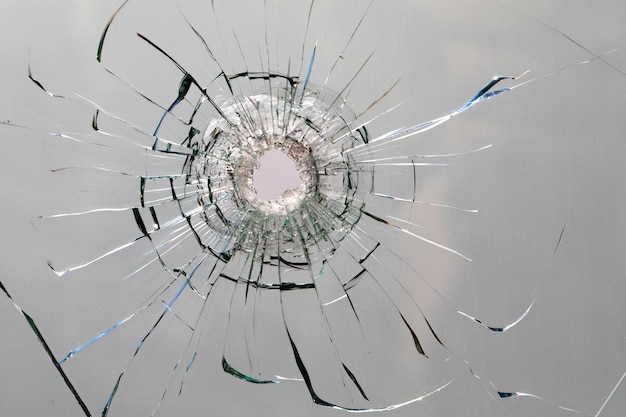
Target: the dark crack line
pixel 57 365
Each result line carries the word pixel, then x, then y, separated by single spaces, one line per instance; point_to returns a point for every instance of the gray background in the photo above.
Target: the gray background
pixel 557 162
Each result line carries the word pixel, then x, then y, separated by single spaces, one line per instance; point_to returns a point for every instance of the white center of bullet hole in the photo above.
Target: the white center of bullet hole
pixel 276 174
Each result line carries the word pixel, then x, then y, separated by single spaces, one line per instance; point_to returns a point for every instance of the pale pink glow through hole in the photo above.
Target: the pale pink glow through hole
pixel 276 174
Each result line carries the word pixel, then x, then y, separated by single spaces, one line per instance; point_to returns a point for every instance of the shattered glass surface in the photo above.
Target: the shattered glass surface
pixel 455 245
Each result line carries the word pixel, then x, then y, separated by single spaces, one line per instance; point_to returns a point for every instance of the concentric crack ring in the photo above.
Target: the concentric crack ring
pixel 315 135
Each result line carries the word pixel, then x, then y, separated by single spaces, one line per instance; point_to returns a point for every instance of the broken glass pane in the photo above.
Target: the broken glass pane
pixel 452 240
